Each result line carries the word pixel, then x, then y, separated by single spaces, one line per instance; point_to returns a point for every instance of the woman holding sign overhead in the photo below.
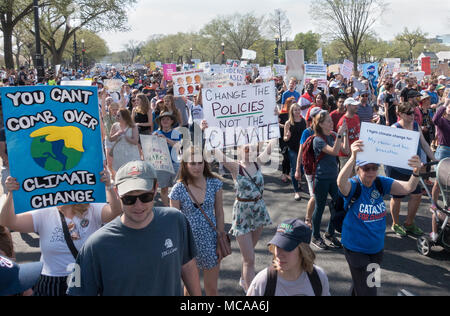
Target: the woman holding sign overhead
pixel 62 231
pixel 405 111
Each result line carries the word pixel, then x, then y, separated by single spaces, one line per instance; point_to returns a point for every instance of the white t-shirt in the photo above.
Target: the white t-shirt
pixel 196 113
pixel 300 287
pixel 55 253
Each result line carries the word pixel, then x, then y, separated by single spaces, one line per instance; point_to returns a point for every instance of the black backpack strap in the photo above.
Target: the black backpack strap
pixel 356 195
pixel 379 186
pixel 315 282
pixel 271 285
pixel 67 237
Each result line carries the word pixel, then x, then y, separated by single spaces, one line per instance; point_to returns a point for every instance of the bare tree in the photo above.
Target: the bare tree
pixel 348 21
pixel 279 24
pixel 133 49
pixel 412 39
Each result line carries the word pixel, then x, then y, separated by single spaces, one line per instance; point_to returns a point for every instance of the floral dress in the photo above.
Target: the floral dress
pixel 204 235
pixel 249 216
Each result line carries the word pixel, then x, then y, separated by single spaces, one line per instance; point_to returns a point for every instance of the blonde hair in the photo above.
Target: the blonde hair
pixel 307 257
pixel 291 113
pixel 144 105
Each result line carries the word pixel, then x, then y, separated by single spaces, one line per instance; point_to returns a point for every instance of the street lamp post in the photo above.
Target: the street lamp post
pixel 39 60
pixel 191 49
pixel 277 43
pixel 83 51
pixel 75 57
pixel 223 53
pixel 171 54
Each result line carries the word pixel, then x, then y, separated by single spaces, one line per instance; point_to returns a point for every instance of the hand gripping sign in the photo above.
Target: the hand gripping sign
pixel 54 145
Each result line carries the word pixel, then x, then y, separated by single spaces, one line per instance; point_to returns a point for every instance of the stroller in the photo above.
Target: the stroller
pixel 441 214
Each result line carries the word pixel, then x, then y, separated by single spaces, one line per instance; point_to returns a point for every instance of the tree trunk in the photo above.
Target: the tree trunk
pixel 355 64
pixel 7 46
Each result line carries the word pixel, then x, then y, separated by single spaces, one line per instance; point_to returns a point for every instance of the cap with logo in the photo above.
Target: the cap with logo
pixel 290 234
pixel 135 176
pixel 17 278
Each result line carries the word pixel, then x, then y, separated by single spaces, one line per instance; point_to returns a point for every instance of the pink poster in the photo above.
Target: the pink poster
pixel 168 70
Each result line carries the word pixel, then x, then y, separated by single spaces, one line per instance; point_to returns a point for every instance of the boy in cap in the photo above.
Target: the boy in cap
pixel 293 272
pixel 145 252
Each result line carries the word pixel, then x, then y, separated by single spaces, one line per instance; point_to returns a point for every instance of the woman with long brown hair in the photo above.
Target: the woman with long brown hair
pixel 142 114
pixel 169 103
pixel 199 190
pixel 125 136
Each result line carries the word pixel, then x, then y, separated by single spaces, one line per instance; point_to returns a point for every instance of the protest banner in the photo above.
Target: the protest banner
pixel 248 54
pixel 156 151
pixel 388 145
pixel 236 74
pixel 347 69
pixel 76 83
pixel 54 145
pixel 319 57
pixel 335 69
pixel 318 72
pixel 358 85
pixel 113 85
pixel 279 70
pixel 295 60
pixel 168 69
pixel 393 65
pixel 419 75
pixel 265 73
pixel 216 80
pixel 187 83
pixel 370 71
pixel 240 115
pixel 426 65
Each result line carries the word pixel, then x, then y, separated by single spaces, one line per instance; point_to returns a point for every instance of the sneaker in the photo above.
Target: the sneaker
pixel 334 242
pixel 413 229
pixel 434 236
pixel 297 197
pixel 319 243
pixel 399 230
pixel 242 284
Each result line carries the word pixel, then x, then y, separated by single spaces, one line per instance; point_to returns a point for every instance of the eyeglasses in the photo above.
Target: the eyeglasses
pixel 144 198
pixel 368 168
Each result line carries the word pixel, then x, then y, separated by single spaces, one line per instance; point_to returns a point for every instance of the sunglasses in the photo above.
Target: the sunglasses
pixel 370 168
pixel 144 198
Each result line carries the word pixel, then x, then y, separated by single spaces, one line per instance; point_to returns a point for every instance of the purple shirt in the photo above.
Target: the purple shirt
pixel 443 127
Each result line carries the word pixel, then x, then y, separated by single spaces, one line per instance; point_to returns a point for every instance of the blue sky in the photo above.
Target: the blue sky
pixel 171 16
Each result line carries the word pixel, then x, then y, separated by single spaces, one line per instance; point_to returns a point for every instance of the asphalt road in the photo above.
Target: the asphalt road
pixel 402 268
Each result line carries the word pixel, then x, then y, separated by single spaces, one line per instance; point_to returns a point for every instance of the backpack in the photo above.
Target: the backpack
pixel 272 276
pixel 309 158
pixel 340 211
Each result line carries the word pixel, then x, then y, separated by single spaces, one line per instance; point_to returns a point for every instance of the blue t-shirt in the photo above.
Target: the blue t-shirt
pixel 289 94
pixel 307 133
pixel 364 225
pixel 327 167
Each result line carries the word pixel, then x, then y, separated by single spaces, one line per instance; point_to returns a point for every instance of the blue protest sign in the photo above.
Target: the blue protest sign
pixel 54 145
pixel 370 71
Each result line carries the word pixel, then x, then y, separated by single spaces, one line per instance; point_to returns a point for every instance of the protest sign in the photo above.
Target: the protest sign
pixel 318 72
pixel 388 145
pixel 248 54
pixel 370 71
pixel 156 151
pixel 279 70
pixel 54 145
pixel 187 83
pixel 319 57
pixel 216 80
pixel 295 60
pixel 419 75
pixel 113 85
pixel 168 69
pixel 76 83
pixel 335 69
pixel 426 65
pixel 392 65
pixel 358 85
pixel 236 74
pixel 265 73
pixel 347 69
pixel 240 115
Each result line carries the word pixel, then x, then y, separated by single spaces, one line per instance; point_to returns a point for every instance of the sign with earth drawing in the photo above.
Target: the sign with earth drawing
pixel 54 145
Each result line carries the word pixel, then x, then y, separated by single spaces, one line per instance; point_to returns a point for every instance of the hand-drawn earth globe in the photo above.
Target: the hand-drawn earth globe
pixel 57 148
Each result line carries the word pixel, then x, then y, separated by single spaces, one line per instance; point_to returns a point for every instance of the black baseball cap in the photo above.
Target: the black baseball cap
pixel 290 234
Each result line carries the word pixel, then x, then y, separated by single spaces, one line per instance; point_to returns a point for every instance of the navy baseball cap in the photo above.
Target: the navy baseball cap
pixel 17 278
pixel 290 234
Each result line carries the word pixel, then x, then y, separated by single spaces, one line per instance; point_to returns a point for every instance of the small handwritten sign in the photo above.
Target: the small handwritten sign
pixel 388 145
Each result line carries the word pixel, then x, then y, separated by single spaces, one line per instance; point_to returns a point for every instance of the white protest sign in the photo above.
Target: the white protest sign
pixel 248 54
pixel 318 72
pixel 156 151
pixel 279 70
pixel 358 85
pixel 319 57
pixel 240 115
pixel 187 83
pixel 265 73
pixel 216 80
pixel 347 69
pixel 113 85
pixel 419 75
pixel 388 145
pixel 74 83
pixel 295 60
pixel 237 75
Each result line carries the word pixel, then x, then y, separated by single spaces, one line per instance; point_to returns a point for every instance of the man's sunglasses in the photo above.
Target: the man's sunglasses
pixel 144 198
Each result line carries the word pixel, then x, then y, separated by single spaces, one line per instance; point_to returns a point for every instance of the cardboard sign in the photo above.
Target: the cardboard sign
pixel 388 145
pixel 295 60
pixel 265 73
pixel 248 54
pixel 54 145
pixel 113 85
pixel 187 83
pixel 347 69
pixel 168 69
pixel 240 115
pixel 156 151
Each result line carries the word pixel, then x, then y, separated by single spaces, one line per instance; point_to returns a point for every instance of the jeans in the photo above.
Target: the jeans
pixel 442 152
pixel 321 189
pixel 293 161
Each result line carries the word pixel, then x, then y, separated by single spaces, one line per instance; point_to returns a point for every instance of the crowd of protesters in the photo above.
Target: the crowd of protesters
pixel 323 120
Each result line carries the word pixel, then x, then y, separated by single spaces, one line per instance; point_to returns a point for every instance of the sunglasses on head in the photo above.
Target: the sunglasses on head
pixel 144 198
pixel 370 168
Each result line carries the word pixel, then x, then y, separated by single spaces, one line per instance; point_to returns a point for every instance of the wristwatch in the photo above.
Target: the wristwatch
pixel 339 137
